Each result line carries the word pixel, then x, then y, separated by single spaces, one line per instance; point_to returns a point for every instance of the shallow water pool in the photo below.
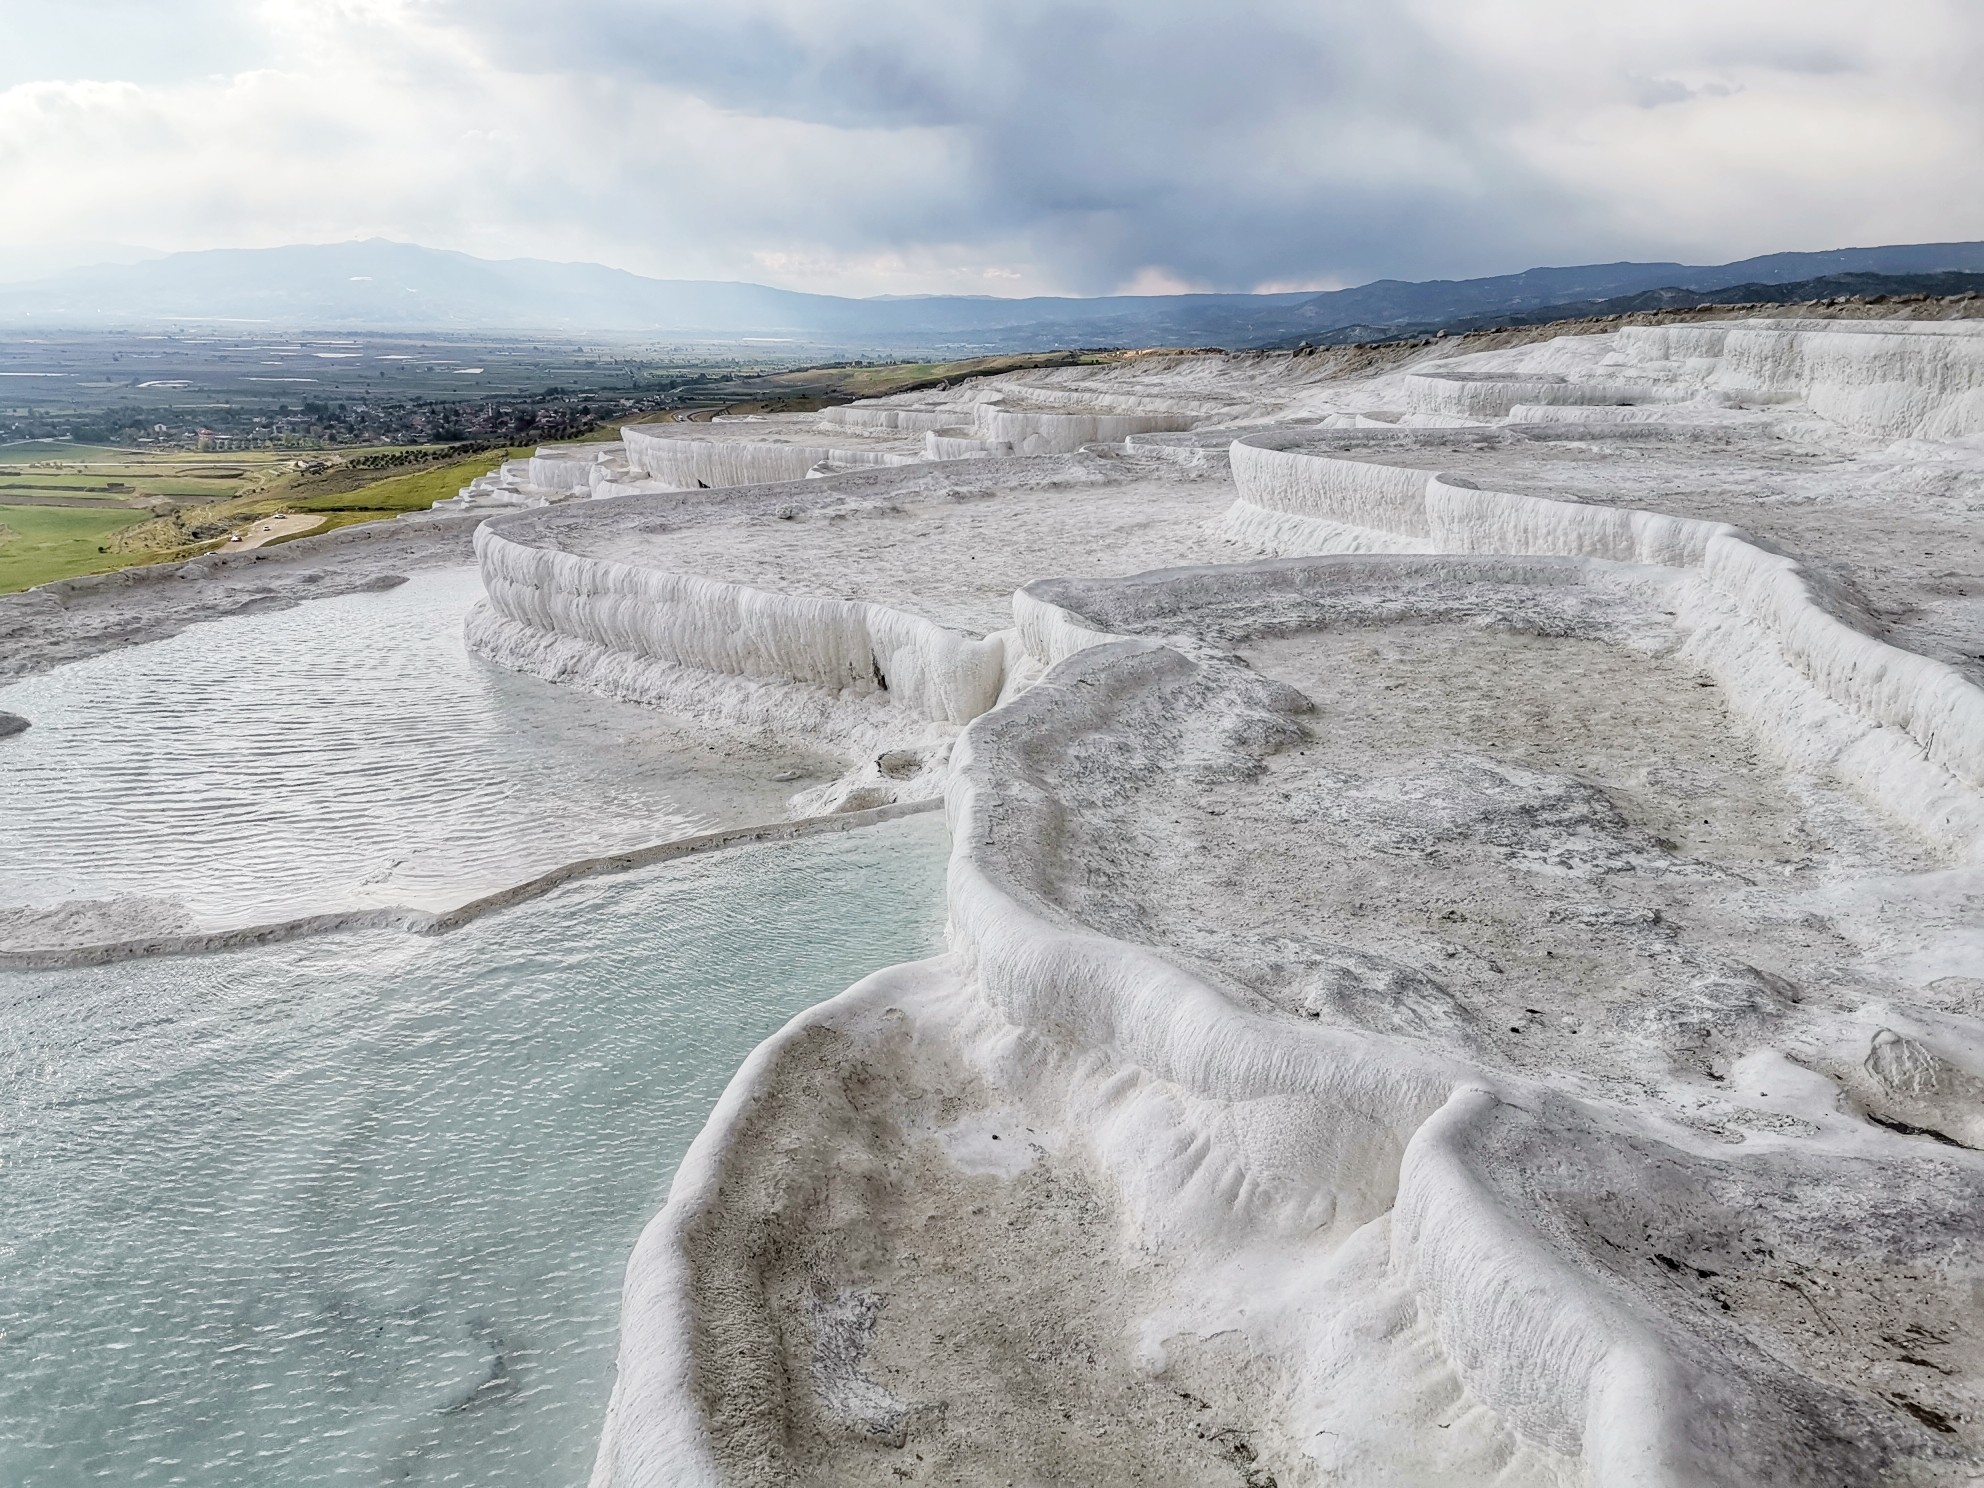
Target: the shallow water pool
pixel 355 1209
pixel 346 753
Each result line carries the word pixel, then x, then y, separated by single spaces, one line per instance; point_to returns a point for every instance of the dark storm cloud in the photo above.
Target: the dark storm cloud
pixel 903 146
pixel 1234 145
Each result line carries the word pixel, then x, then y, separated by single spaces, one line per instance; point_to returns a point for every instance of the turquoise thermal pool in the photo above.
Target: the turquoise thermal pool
pixel 355 1209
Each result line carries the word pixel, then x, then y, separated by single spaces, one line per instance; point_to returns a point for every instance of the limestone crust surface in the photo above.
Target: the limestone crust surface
pixel 1466 916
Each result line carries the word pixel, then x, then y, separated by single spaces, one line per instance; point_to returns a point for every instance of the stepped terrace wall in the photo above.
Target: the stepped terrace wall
pixel 1921 381
pixel 1939 711
pixel 1258 1156
pixel 688 464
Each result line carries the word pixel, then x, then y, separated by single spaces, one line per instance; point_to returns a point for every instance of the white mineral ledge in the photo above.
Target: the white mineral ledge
pixel 1466 915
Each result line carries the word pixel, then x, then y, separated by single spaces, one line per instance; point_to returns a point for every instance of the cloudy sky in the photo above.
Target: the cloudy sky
pixel 995 146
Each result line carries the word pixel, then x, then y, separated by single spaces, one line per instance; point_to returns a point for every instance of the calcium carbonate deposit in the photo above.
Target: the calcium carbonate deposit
pixel 1466 943
pixel 1464 965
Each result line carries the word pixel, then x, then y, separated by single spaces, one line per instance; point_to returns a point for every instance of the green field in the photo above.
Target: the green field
pixel 209 499
pixel 134 486
pixel 42 543
pixel 344 496
pixel 26 451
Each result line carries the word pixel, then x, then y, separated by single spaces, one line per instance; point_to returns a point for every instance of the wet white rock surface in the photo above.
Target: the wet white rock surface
pixel 1500 1003
pixel 1466 945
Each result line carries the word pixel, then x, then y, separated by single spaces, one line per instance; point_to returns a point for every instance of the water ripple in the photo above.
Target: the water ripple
pixel 354 1210
pixel 348 753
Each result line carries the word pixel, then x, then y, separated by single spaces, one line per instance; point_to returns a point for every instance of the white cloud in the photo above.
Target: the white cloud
pixel 126 40
pixel 1027 146
pixel 1151 280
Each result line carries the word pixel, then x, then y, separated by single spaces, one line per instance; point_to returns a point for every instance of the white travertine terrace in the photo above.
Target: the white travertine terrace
pixel 752 450
pixel 1466 917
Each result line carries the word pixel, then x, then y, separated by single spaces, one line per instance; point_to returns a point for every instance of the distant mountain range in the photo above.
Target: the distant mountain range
pixel 1796 291
pixel 381 285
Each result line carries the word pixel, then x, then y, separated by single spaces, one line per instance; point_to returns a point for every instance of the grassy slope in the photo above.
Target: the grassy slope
pixel 49 543
pixel 58 542
pixel 414 491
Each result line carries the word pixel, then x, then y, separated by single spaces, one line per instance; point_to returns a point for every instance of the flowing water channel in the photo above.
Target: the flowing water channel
pixel 355 1209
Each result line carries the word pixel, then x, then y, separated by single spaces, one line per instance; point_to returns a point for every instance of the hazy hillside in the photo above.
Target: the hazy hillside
pixel 382 285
